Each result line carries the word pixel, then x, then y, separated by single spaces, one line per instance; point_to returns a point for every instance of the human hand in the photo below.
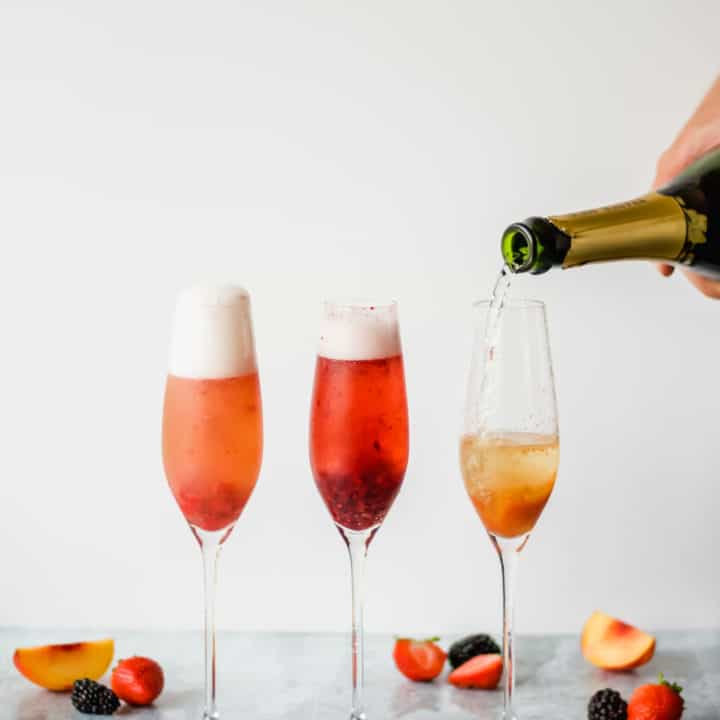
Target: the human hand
pixel 700 134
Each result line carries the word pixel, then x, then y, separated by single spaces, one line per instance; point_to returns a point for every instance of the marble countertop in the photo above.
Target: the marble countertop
pixel 278 676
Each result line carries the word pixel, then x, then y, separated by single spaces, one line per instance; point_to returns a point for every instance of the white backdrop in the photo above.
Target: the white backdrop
pixel 309 149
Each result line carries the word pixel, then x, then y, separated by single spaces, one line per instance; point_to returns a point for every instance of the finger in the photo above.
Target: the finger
pixel 665 172
pixel 708 287
pixel 671 162
pixel 689 146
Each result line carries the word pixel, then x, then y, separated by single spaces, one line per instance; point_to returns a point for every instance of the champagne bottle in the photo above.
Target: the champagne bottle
pixel 678 224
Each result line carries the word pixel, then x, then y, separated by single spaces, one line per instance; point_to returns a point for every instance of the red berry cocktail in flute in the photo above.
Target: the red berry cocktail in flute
pixel 212 429
pixel 359 435
pixel 359 441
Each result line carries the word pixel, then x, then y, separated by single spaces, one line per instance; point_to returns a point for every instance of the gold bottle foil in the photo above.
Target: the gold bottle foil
pixel 652 227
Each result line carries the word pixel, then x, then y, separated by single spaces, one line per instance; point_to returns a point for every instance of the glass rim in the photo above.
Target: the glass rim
pixel 360 303
pixel 515 303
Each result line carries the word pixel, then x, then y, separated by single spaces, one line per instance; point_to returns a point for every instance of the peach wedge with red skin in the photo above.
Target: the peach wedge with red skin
pixel 57 667
pixel 611 644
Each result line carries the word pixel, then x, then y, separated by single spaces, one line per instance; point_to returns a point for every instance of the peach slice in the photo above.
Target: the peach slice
pixel 611 644
pixel 57 667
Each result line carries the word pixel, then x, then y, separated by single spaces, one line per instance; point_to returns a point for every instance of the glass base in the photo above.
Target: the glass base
pixel 358 715
pixel 211 716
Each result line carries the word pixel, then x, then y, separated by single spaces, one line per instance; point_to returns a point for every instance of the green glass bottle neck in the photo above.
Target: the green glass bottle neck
pixel 533 246
pixel 653 227
pixel 672 224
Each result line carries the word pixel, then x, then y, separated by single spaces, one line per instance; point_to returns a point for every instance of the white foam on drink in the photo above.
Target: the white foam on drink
pixel 359 332
pixel 212 333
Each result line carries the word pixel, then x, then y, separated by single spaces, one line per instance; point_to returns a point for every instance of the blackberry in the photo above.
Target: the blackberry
pixel 607 705
pixel 94 699
pixel 463 650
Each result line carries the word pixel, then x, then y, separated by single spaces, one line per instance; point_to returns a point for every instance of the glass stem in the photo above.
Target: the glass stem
pixel 210 543
pixel 357 542
pixel 509 554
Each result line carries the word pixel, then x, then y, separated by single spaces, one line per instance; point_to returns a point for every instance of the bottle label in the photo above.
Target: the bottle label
pixel 651 227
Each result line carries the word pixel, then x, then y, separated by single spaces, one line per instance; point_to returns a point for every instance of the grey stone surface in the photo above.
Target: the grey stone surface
pixel 278 676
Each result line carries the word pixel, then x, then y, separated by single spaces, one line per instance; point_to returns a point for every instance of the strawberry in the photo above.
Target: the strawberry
pixel 419 659
pixel 137 680
pixel 482 671
pixel 656 702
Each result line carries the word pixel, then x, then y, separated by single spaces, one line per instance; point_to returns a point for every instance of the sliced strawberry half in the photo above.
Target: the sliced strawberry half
pixel 419 659
pixel 482 671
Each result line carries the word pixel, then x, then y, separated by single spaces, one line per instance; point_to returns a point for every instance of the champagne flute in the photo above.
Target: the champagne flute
pixel 359 437
pixel 509 450
pixel 212 429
